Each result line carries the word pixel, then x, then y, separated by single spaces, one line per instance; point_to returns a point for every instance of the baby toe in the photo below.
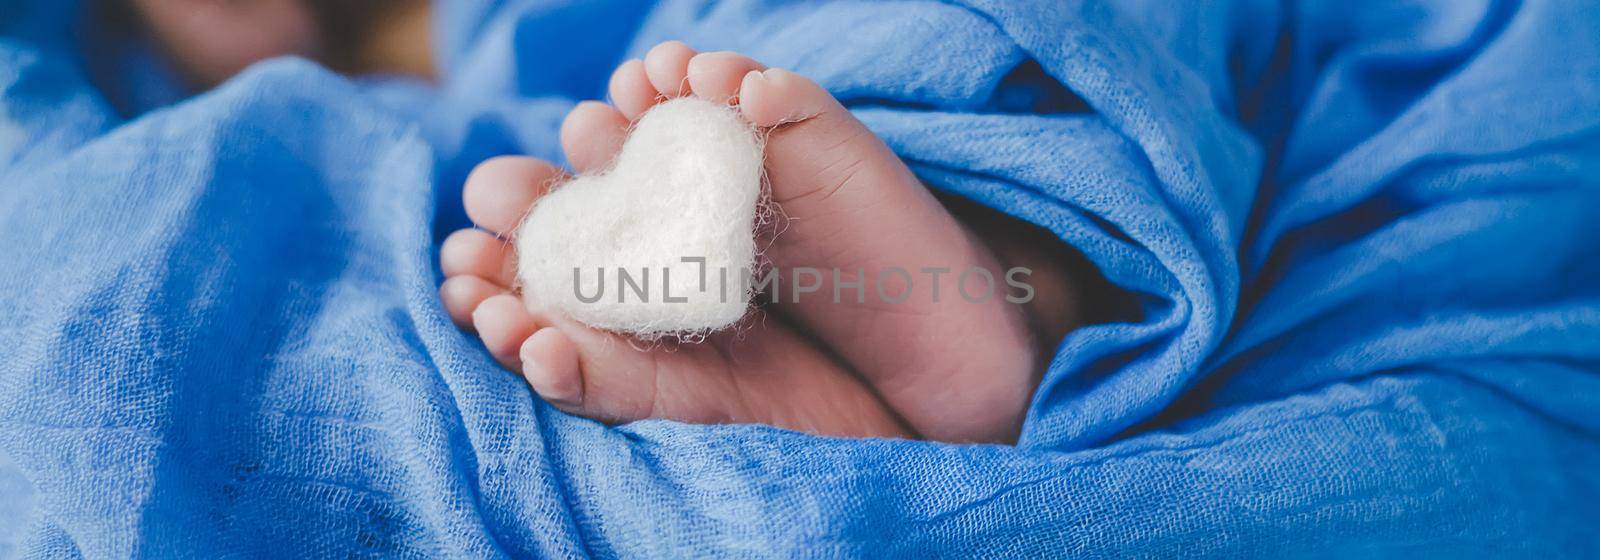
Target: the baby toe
pixel 716 76
pixel 630 89
pixel 474 252
pixel 550 364
pixel 462 295
pixel 500 191
pixel 666 65
pixel 504 324
pixel 592 134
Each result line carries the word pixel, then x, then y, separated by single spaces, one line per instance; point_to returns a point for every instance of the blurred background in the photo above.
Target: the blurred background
pixel 181 46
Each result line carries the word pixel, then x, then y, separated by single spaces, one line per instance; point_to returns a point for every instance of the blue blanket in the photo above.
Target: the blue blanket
pixel 1353 245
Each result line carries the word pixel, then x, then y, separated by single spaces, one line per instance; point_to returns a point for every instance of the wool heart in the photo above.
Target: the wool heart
pixel 662 242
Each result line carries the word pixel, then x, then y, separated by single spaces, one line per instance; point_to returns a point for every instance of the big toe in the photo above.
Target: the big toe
pixel 819 150
pixel 776 96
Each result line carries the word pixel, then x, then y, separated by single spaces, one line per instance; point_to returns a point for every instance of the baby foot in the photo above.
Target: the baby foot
pixel 953 369
pixel 767 374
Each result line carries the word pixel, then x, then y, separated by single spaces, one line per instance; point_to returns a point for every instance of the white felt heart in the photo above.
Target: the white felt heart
pixel 662 242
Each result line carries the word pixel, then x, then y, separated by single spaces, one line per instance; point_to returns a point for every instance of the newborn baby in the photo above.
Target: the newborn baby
pixel 211 40
pixel 934 365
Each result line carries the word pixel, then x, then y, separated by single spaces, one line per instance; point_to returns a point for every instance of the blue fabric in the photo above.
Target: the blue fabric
pixel 1353 242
